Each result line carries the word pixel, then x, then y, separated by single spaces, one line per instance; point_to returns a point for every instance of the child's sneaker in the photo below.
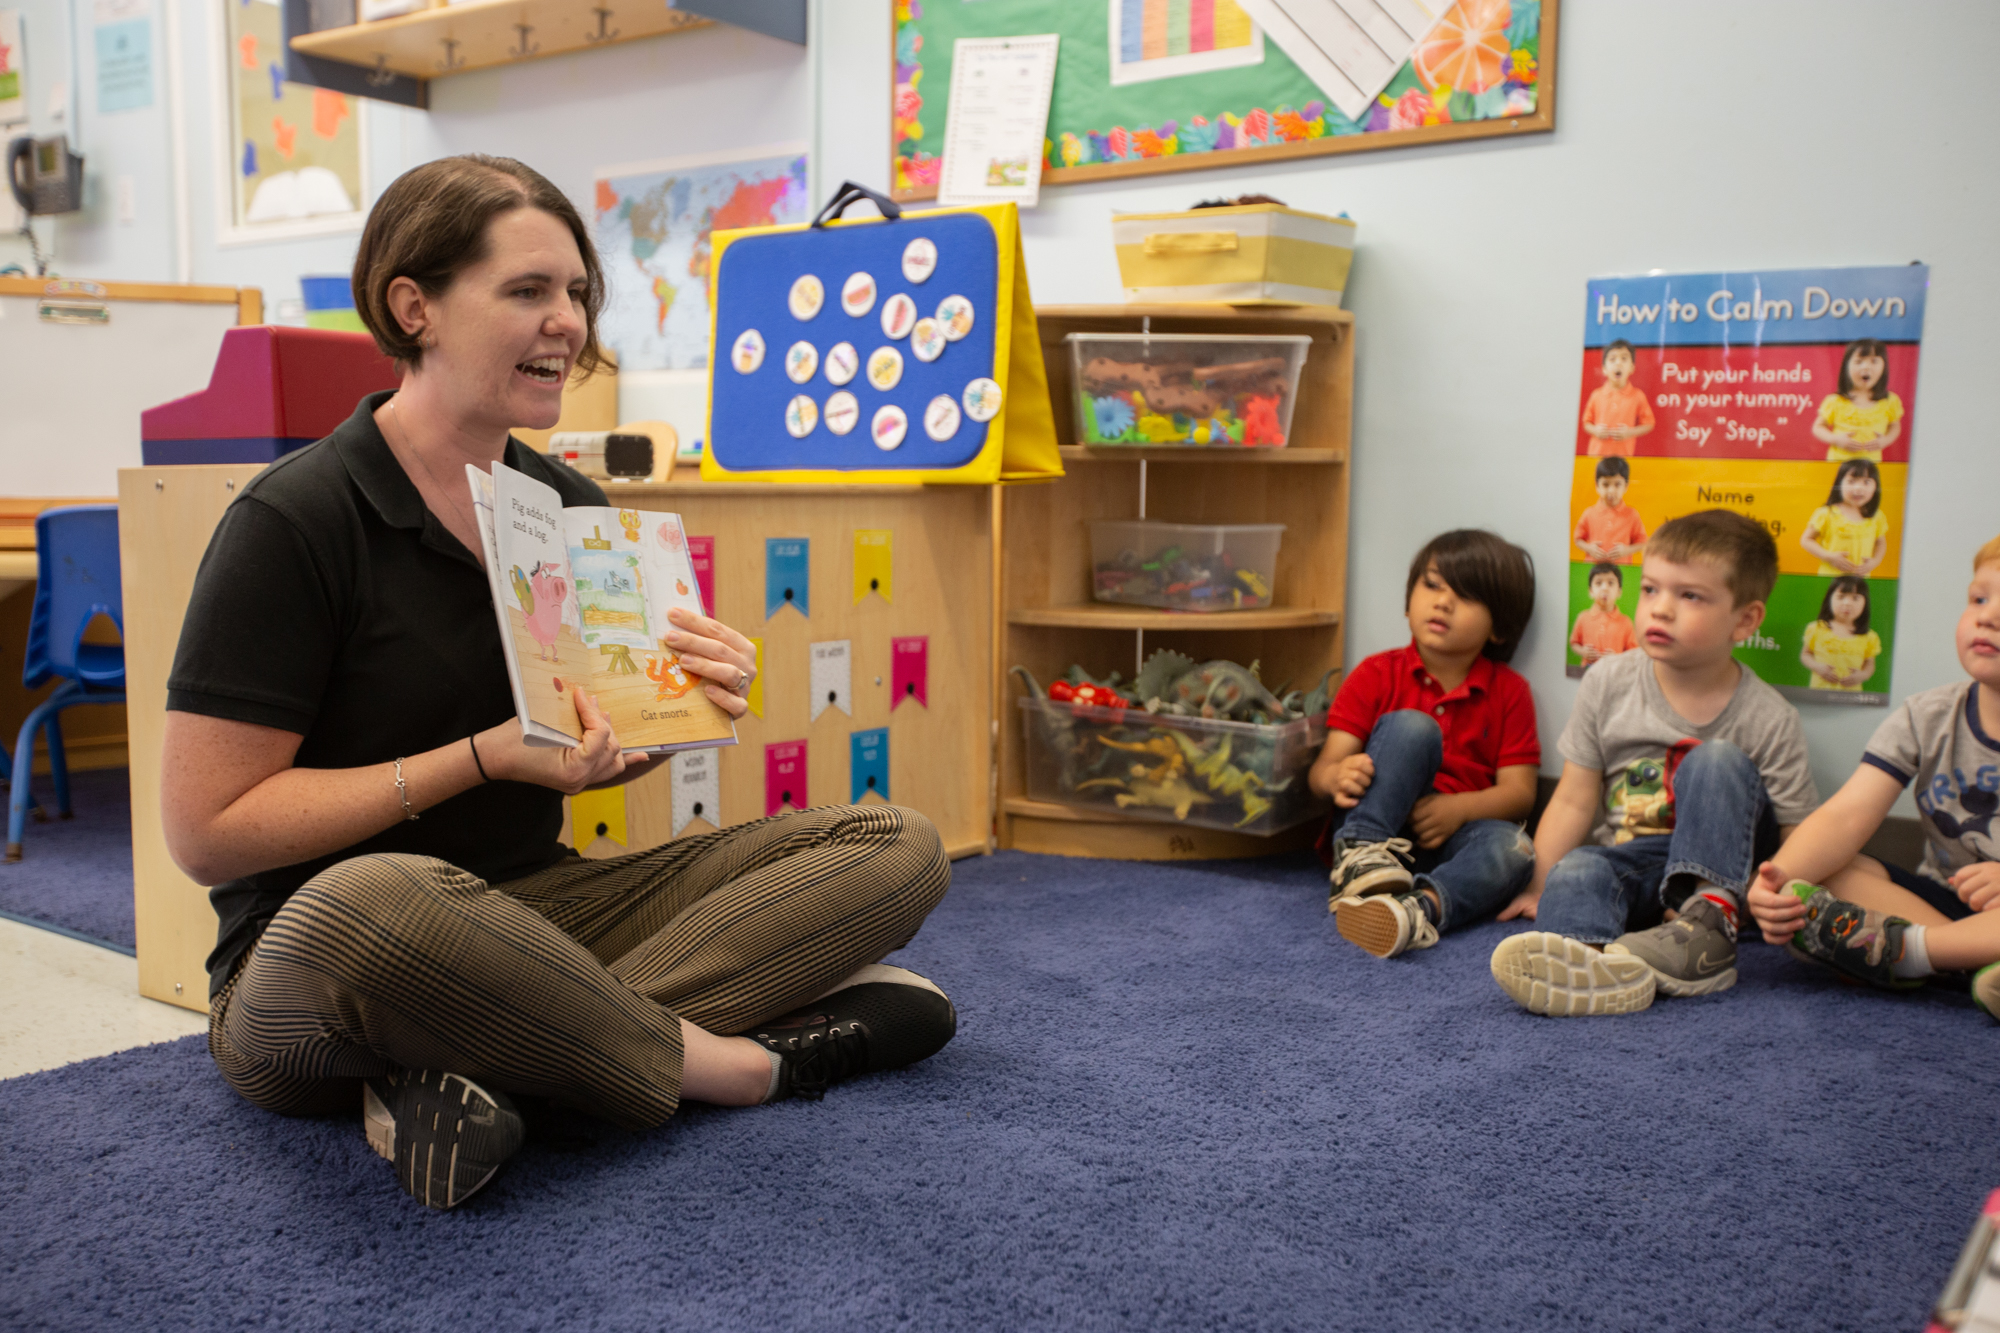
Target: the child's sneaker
pixel 1362 868
pixel 1860 944
pixel 1546 973
pixel 1986 989
pixel 1694 954
pixel 1386 924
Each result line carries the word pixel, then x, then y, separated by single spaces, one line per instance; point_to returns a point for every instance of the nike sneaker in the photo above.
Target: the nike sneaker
pixel 1552 974
pixel 1694 954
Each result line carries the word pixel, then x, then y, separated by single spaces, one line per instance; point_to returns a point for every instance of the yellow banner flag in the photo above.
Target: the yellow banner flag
pixel 872 563
pixel 597 814
pixel 754 696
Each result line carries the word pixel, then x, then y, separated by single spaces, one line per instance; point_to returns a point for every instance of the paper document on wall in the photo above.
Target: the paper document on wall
pixel 1350 48
pixel 996 120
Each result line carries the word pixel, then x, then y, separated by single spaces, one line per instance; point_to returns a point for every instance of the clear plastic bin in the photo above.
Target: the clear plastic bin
pixel 1187 770
pixel 1184 566
pixel 1186 388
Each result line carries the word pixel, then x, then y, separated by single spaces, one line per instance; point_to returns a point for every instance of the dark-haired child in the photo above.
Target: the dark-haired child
pixel 1863 418
pixel 1617 414
pixel 1602 630
pixel 1839 648
pixel 1850 533
pixel 1611 530
pixel 1431 755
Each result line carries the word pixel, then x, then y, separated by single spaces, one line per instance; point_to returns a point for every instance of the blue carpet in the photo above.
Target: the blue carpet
pixel 1177 1101
pixel 77 873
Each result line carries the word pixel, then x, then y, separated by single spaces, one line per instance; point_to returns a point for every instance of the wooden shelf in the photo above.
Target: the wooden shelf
pixel 1103 615
pixel 1193 453
pixel 1042 826
pixel 1125 318
pixel 457 39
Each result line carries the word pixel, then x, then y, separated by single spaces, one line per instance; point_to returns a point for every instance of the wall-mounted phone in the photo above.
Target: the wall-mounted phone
pixel 44 175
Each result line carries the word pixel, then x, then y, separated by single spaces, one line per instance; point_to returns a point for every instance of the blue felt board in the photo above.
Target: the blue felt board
pixel 787 575
pixel 868 763
pixel 753 286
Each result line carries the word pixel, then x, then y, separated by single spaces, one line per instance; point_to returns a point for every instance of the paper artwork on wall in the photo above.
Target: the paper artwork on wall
pixel 787 575
pixel 832 678
pixel 868 764
pixel 599 814
pixel 697 788
pixel 123 45
pixel 701 554
pixel 996 118
pixel 1351 48
pixel 784 777
pixel 293 155
pixel 1164 39
pixel 873 563
pixel 909 670
pixel 13 71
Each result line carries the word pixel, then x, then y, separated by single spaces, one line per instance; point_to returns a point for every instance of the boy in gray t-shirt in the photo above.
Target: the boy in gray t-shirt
pixel 1680 768
pixel 1880 923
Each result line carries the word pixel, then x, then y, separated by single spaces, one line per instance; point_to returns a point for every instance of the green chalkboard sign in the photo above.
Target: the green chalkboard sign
pixel 1489 69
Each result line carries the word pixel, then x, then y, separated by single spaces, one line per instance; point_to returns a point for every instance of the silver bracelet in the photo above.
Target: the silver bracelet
pixel 403 792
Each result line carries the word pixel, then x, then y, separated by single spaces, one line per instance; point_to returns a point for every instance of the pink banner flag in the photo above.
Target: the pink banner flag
pixel 784 777
pixel 701 553
pixel 909 670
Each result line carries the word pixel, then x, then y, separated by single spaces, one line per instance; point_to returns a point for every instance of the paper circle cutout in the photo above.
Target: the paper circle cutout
pixel 801 415
pixel 982 399
pixel 919 259
pixel 885 368
pixel 889 427
pixel 842 413
pixel 807 296
pixel 899 313
pixel 842 361
pixel 941 417
pixel 955 314
pixel 927 340
pixel 857 294
pixel 801 360
pixel 748 353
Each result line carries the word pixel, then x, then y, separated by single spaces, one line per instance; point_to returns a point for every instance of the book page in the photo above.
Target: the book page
pixel 531 570
pixel 631 569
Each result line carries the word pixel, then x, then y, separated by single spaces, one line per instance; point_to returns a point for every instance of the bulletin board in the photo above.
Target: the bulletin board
pixel 1501 83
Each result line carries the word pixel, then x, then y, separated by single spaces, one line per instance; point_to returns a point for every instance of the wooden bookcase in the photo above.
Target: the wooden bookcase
pixel 1048 620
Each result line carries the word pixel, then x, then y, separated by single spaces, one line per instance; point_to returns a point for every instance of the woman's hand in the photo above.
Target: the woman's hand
pixel 712 649
pixel 592 762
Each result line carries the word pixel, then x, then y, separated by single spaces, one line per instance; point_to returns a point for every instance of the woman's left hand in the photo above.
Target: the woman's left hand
pixel 711 649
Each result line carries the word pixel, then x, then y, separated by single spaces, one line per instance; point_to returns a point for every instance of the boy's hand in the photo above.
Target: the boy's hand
pixel 1434 818
pixel 1978 886
pixel 1523 906
pixel 1352 780
pixel 1779 913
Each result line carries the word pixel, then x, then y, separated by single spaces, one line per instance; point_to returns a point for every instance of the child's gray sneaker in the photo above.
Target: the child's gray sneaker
pixel 1386 924
pixel 1552 974
pixel 1694 954
pixel 1362 868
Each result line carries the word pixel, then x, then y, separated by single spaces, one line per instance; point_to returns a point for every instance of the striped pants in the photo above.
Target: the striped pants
pixel 568 984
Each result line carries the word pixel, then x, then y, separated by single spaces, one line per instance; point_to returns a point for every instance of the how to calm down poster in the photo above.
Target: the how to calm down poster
pixel 1789 396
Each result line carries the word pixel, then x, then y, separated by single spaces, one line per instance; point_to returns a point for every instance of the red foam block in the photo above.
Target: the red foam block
pixel 280 382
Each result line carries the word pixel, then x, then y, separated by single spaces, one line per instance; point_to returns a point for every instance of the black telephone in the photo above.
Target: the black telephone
pixel 44 175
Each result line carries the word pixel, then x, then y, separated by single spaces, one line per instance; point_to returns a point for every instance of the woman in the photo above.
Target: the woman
pixel 398 922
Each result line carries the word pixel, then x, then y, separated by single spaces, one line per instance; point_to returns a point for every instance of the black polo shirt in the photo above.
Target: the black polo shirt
pixel 333 604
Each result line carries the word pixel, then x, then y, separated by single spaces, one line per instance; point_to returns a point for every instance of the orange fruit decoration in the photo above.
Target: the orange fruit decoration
pixel 1468 48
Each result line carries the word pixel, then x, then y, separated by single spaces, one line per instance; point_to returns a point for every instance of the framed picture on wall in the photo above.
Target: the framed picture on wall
pixel 290 155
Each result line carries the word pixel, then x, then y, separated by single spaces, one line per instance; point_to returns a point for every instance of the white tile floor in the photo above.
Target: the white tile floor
pixel 62 1000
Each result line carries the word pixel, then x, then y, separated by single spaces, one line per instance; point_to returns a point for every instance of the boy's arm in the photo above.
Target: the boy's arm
pixel 1437 816
pixel 1822 844
pixel 1339 748
pixel 1565 824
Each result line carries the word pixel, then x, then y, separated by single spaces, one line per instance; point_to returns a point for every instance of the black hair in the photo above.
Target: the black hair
pixel 1867 469
pixel 1614 466
pixel 1865 347
pixel 1614 345
pixel 1485 568
pixel 1606 567
pixel 1846 583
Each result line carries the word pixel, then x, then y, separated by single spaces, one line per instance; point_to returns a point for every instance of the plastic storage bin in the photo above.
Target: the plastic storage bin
pixel 1188 770
pixel 1247 254
pixel 1184 566
pixel 1186 388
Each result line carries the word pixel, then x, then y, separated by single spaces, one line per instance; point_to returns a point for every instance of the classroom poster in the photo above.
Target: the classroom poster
pixel 1786 395
pixel 293 153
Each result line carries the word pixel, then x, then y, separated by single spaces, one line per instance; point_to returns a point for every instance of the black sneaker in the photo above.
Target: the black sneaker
pixel 1860 944
pixel 446 1135
pixel 880 1018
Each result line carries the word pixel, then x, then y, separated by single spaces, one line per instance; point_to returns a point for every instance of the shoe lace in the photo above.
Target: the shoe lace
pixel 1362 855
pixel 1422 933
pixel 825 1056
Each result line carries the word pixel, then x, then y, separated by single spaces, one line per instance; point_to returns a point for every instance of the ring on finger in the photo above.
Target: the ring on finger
pixel 742 681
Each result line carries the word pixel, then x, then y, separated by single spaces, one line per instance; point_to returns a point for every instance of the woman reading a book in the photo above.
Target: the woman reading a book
pixel 399 926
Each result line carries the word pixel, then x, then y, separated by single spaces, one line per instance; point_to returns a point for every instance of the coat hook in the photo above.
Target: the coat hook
pixel 604 33
pixel 381 76
pixel 451 59
pixel 523 51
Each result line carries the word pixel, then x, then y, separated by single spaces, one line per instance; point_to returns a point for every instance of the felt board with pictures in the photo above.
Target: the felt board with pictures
pixel 1494 76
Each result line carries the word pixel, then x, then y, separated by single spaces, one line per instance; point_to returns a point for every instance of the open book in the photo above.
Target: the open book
pixel 583 595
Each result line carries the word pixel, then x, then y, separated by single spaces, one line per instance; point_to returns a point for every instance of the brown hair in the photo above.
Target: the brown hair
pixel 1743 547
pixel 1483 568
pixel 1986 554
pixel 431 223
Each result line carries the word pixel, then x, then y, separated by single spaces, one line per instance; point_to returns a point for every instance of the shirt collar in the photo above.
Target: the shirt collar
pixel 377 473
pixel 1479 679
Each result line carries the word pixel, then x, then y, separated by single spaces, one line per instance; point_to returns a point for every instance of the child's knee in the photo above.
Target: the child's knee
pixel 1408 732
pixel 1713 759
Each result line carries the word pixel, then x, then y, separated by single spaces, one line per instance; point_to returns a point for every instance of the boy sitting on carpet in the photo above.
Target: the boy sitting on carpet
pixel 1434 744
pixel 1879 923
pixel 1705 762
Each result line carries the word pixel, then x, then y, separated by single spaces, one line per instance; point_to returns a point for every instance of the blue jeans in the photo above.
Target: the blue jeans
pixel 1723 827
pixel 1479 869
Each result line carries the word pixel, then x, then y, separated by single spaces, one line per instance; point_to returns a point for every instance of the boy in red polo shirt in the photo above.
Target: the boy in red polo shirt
pixel 1431 755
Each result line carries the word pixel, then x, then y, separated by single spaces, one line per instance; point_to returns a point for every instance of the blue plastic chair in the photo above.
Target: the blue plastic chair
pixel 77 560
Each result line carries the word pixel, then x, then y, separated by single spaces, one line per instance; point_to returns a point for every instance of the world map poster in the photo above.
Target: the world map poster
pixel 1787 396
pixel 653 224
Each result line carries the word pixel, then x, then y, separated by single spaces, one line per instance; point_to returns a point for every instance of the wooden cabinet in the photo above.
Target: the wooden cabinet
pixel 1049 620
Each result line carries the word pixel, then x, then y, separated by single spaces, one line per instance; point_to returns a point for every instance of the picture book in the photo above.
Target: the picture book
pixel 582 596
